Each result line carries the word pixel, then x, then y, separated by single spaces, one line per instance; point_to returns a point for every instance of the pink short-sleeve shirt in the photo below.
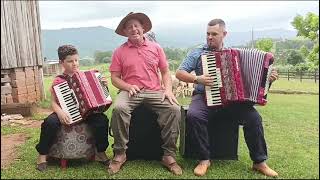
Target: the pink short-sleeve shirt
pixel 139 65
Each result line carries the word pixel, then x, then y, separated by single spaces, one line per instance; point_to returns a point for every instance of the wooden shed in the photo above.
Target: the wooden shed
pixel 52 67
pixel 21 57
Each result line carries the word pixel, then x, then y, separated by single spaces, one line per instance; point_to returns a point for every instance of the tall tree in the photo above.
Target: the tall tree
pixel 294 57
pixel 309 27
pixel 264 44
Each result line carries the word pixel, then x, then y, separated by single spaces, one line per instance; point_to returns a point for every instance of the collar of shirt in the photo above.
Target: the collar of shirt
pixel 207 48
pixel 145 43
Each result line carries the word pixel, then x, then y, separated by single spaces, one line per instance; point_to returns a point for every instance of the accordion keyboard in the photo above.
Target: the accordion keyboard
pixel 212 92
pixel 104 88
pixel 68 101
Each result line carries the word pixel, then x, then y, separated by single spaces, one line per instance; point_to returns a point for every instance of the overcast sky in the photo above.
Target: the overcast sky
pixel 239 15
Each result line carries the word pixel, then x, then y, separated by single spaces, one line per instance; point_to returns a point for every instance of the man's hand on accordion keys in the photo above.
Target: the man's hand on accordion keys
pixel 274 75
pixel 205 79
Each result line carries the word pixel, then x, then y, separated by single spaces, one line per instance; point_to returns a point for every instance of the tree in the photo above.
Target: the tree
pixel 264 44
pixel 309 27
pixel 301 67
pixel 176 54
pixel 304 51
pixel 102 56
pixel 294 57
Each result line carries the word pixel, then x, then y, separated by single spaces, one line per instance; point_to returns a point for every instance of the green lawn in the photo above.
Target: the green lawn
pixel 306 85
pixel 291 124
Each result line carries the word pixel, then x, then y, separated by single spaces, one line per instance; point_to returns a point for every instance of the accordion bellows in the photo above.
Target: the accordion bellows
pixel 82 94
pixel 240 75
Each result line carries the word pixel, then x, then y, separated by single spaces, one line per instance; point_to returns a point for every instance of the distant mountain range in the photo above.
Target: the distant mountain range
pixel 90 39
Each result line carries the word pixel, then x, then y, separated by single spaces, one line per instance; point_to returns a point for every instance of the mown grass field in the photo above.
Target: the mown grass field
pixel 291 125
pixel 306 85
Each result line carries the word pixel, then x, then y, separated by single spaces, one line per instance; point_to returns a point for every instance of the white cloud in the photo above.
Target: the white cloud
pixel 262 14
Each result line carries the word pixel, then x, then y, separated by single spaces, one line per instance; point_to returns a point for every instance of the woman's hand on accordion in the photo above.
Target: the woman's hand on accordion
pixel 205 79
pixel 274 75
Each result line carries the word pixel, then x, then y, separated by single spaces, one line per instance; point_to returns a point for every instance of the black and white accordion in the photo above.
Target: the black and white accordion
pixel 240 75
pixel 82 94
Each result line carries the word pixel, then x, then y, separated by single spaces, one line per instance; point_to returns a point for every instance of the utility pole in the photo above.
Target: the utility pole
pixel 252 39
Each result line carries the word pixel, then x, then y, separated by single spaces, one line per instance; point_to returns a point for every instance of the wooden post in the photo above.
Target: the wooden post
pixel 300 75
pixel 41 84
pixel 315 76
pixel 288 74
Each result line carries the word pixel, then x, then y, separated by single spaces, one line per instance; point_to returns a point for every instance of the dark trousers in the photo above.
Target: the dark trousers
pixel 199 116
pixel 98 122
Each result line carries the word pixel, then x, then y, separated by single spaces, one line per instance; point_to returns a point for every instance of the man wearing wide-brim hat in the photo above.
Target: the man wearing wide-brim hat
pixel 134 71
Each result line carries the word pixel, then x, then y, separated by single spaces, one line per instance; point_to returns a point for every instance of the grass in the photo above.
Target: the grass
pixel 295 85
pixel 6 129
pixel 291 125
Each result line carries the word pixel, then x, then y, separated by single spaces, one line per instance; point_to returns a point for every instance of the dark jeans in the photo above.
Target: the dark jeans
pixel 98 122
pixel 199 114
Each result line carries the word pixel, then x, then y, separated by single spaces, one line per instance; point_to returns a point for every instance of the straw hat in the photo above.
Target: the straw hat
pixel 144 19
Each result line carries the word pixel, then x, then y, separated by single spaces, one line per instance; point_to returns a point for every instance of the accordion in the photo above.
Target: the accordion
pixel 81 94
pixel 240 75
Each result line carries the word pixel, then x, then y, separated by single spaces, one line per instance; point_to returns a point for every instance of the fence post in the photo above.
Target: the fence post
pixel 315 76
pixel 288 74
pixel 300 75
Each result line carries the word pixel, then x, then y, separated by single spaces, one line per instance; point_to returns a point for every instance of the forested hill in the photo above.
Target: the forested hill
pixel 90 39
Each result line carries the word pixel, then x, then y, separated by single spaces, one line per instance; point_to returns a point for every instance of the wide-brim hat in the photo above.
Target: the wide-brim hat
pixel 144 19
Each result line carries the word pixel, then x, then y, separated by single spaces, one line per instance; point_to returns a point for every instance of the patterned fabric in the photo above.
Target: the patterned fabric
pixel 228 76
pixel 73 142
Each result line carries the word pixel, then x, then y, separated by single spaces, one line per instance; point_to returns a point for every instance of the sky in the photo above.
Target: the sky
pixel 238 15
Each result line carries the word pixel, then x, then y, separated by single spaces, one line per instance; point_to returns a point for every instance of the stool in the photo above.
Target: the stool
pixel 144 135
pixel 73 142
pixel 223 138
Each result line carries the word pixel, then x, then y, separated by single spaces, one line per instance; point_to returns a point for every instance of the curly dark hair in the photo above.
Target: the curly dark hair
pixel 66 50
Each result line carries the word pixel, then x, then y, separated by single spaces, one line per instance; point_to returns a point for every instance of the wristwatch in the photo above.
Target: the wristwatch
pixel 195 81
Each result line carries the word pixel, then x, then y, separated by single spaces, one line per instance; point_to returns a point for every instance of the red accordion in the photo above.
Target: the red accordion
pixel 82 94
pixel 240 75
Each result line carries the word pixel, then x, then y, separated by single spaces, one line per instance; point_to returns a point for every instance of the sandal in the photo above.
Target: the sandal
pixel 115 166
pixel 173 167
pixel 42 166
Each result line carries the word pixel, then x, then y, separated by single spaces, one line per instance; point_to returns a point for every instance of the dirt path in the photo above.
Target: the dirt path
pixel 9 145
pixel 10 142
